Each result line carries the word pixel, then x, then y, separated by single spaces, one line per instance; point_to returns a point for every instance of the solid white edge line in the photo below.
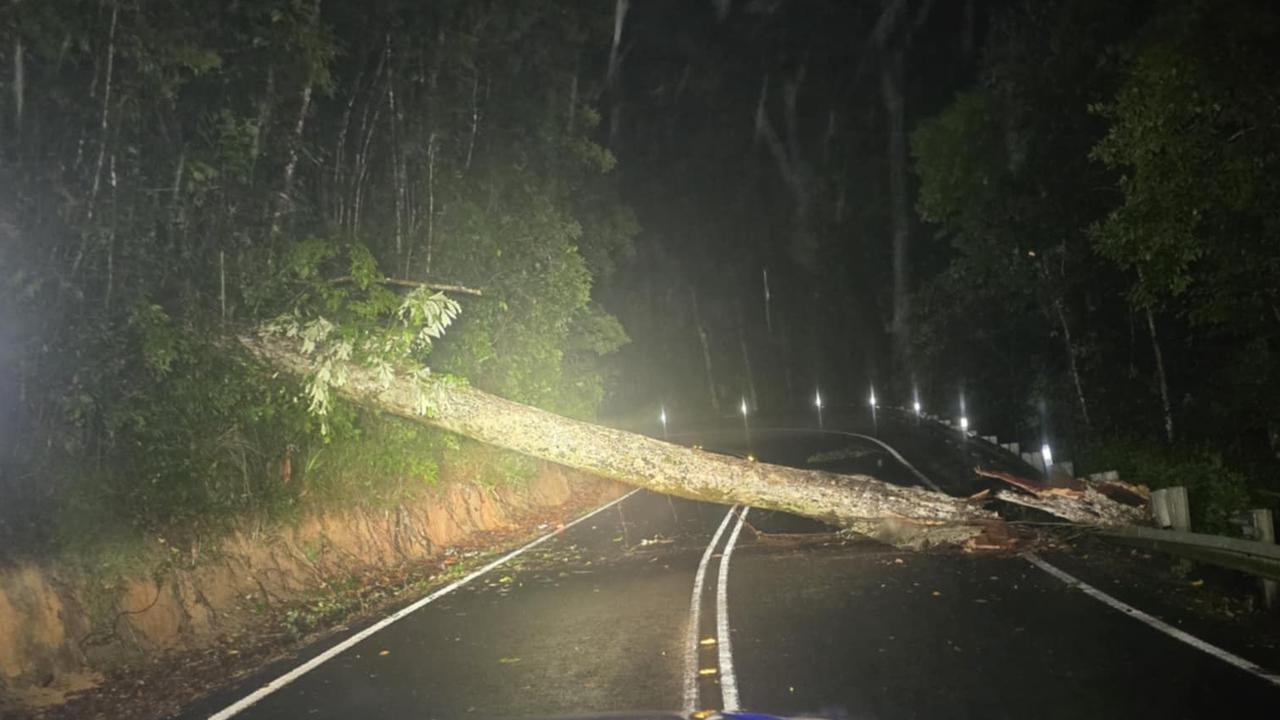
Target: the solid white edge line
pixel 728 681
pixel 1157 623
pixel 695 613
pixel 244 703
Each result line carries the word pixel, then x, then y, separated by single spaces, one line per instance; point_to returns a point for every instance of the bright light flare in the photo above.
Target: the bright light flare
pixel 817 399
pixel 662 417
pixel 964 423
pixel 1047 454
pixel 872 399
pixel 744 407
pixel 916 405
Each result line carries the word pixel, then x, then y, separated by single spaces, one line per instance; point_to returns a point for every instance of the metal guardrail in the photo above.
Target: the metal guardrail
pixel 1250 556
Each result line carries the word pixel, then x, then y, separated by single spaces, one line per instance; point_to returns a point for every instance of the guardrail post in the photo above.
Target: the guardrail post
pixel 1179 509
pixel 1264 529
pixel 1170 509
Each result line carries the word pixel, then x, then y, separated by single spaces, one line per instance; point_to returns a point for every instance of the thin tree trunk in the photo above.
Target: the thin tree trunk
pixel 1164 383
pixel 19 83
pixel 620 8
pixel 261 126
pixel 475 118
pixel 431 203
pixel 285 202
pixel 362 163
pixel 103 125
pixel 1071 359
pixel 397 185
pixel 222 284
pixel 904 516
pixel 176 211
pixel 111 239
pixel 336 184
pixel 891 80
pixel 706 353
pixel 573 101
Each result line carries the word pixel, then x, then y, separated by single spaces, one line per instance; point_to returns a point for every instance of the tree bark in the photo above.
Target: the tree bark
pixel 706 353
pixel 1071 360
pixel 103 123
pixel 902 516
pixel 284 203
pixel 19 83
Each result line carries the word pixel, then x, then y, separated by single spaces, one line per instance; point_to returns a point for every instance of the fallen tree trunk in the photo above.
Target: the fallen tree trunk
pixel 902 516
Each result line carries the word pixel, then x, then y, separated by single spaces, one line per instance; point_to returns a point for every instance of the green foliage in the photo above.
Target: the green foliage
pixel 380 462
pixel 960 164
pixel 252 175
pixel 535 336
pixel 357 321
pixel 1215 490
pixel 1189 132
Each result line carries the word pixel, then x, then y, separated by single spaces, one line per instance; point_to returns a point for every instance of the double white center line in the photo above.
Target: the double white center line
pixel 728 681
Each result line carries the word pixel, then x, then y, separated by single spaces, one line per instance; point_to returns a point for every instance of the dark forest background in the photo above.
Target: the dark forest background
pixel 1063 212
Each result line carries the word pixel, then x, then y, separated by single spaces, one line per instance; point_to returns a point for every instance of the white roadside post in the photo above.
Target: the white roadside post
pixel 817 400
pixel 662 417
pixel 1046 458
pixel 1264 530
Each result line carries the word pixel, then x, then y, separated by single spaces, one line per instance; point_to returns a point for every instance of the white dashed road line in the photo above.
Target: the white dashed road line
pixel 244 703
pixel 1152 621
pixel 695 616
pixel 728 681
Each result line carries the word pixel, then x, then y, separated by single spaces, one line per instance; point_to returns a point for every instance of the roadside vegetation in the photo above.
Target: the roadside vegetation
pixel 170 176
pixel 1105 205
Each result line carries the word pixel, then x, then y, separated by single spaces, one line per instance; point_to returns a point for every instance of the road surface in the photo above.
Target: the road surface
pixel 604 617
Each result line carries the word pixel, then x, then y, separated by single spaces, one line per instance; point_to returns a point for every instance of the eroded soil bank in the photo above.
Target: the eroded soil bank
pixel 64 631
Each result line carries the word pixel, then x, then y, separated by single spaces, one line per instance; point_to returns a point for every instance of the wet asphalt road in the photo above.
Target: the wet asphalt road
pixel 597 620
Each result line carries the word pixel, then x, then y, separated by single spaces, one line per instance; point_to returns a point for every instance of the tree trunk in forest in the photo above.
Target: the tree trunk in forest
pixel 262 123
pixel 1071 360
pixel 1164 383
pixel 19 83
pixel 903 516
pixel 891 81
pixel 431 202
pixel 706 353
pixel 103 122
pixel 285 201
